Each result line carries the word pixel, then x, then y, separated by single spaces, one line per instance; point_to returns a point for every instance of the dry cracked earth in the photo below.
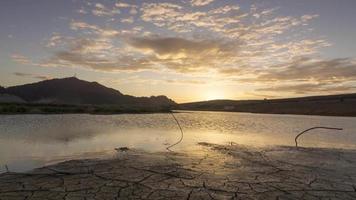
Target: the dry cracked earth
pixel 214 172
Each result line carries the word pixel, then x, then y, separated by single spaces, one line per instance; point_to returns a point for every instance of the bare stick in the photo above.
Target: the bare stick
pixel 7 169
pixel 181 136
pixel 317 127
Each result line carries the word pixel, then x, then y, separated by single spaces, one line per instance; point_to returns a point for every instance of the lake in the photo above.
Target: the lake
pixel 28 141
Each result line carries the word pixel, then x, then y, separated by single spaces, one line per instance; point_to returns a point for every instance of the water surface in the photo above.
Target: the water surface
pixel 28 141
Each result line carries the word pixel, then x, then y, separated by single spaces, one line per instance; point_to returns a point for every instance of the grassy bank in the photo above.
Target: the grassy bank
pixel 20 108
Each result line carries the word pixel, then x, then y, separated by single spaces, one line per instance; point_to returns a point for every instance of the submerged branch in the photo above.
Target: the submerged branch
pixel 7 168
pixel 317 127
pixel 181 131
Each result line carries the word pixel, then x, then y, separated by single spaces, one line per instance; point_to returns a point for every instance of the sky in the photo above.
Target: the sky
pixel 188 50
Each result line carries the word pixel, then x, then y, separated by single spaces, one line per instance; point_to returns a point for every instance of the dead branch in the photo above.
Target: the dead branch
pixel 181 131
pixel 309 129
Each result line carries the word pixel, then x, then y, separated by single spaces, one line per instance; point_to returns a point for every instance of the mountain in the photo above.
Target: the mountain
pixel 74 91
pixel 335 105
pixel 8 98
pixel 2 90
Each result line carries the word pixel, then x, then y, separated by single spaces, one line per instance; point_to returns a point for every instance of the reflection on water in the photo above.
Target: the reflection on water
pixel 28 141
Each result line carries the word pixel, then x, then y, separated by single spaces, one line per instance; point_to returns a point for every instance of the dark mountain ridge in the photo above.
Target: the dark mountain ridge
pixel 74 91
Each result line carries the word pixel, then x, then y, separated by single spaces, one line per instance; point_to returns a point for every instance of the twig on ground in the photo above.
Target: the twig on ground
pixel 317 127
pixel 181 131
pixel 7 168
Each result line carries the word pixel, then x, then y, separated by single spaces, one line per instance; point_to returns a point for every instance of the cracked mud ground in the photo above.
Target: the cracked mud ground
pixel 215 172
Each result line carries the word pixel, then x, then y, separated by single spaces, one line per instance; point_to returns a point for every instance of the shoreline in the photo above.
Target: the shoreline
pixel 49 109
pixel 270 113
pixel 23 109
pixel 166 111
pixel 216 171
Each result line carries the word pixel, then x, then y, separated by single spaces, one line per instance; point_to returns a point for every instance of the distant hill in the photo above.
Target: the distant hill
pixel 74 91
pixel 336 105
pixel 8 98
pixel 2 90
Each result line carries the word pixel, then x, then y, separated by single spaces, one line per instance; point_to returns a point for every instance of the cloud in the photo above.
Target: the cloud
pixel 308 69
pixel 174 46
pixel 160 13
pixel 185 82
pixel 122 63
pixel 55 40
pixel 132 8
pixel 239 45
pixel 306 75
pixel 124 5
pixel 200 2
pixel 82 11
pixel 228 20
pixel 96 54
pixel 21 74
pixel 101 10
pixel 236 42
pixel 185 55
pixel 129 20
pixel 41 77
pixel 93 29
pixel 309 88
pixel 260 40
pixel 133 11
pixel 260 95
pixel 21 59
pixel 78 25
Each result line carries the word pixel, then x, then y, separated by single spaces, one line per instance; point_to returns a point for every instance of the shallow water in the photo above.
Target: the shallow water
pixel 28 141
